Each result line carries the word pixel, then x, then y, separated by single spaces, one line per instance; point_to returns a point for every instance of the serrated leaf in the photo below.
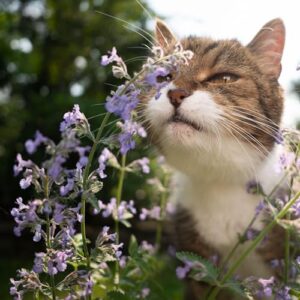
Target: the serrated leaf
pixel 208 271
pixel 92 199
pixel 235 287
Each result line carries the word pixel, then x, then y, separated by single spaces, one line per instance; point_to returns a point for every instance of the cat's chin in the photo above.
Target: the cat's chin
pixel 180 128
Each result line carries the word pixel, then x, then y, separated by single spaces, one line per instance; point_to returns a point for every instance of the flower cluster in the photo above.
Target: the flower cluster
pixel 68 182
pixel 154 75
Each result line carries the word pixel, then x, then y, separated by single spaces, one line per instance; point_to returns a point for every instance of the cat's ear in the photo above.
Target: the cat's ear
pixel 268 46
pixel 163 35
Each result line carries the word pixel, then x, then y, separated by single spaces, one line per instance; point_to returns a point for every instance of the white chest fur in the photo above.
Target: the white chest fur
pixel 223 210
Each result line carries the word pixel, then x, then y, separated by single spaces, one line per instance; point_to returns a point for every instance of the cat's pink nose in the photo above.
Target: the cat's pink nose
pixel 177 96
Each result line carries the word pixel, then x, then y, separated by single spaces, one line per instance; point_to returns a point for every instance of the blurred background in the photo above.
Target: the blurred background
pixel 49 61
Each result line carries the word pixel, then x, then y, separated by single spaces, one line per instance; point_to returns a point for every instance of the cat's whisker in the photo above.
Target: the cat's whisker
pixel 230 130
pixel 247 137
pixel 240 118
pixel 96 116
pixel 255 113
pixel 140 34
pixel 124 21
pixel 137 58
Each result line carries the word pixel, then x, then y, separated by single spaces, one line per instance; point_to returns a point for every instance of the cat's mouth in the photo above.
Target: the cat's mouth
pixel 179 119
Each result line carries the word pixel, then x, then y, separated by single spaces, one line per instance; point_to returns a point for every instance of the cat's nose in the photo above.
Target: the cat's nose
pixel 177 96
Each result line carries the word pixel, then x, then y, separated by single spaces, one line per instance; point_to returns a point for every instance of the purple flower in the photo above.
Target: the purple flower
pixel 56 168
pixel 153 213
pixel 25 216
pixel 283 294
pixel 129 129
pixel 106 236
pixel 181 272
pixel 259 208
pixel 144 214
pixel 72 118
pixel 26 182
pixel 61 258
pixel 52 270
pixel 38 262
pixel 153 79
pixel 251 234
pixel 117 250
pixel 145 292
pixel 275 263
pixel 122 261
pixel 32 145
pixel 58 214
pixel 21 164
pixel 285 161
pixel 147 247
pixel 38 233
pixel 144 164
pixel 65 189
pixel 267 285
pixel 109 208
pixel 112 57
pixel 122 104
pixel 103 158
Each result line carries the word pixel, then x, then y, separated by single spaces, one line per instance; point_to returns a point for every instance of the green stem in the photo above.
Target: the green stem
pixel 117 222
pixel 163 201
pixel 85 182
pixel 286 255
pixel 48 238
pixel 251 247
pixel 287 237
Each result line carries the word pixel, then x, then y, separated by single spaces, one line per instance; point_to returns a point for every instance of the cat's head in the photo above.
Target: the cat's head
pixel 224 108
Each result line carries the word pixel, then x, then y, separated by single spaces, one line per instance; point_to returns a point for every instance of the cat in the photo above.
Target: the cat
pixel 216 123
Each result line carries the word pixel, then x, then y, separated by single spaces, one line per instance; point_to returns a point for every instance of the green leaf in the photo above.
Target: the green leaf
pixel 235 287
pixel 133 246
pixel 117 295
pixel 208 272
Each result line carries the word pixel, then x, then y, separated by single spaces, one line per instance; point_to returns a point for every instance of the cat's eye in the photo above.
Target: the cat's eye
pixel 223 78
pixel 168 77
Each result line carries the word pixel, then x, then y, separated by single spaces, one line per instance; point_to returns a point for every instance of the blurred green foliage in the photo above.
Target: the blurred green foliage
pixel 49 60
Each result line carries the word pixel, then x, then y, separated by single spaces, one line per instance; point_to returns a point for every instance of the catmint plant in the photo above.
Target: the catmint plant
pixel 69 265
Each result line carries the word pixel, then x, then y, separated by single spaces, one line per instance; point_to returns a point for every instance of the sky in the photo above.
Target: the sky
pixel 240 19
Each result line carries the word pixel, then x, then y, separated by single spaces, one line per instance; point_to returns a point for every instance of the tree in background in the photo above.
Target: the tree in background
pixel 49 60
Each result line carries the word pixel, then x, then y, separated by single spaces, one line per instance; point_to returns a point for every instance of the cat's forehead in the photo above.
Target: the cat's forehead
pixel 209 53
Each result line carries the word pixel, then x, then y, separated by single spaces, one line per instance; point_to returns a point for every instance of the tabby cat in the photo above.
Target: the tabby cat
pixel 216 123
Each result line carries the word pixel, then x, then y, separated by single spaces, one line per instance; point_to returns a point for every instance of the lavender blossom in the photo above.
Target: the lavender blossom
pixel 73 118
pixel 181 272
pixel 56 167
pixel 129 130
pixel 112 57
pixel 26 182
pixel 267 286
pixel 32 145
pixel 103 158
pixel 21 164
pixel 158 79
pixel 65 189
pixel 123 103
